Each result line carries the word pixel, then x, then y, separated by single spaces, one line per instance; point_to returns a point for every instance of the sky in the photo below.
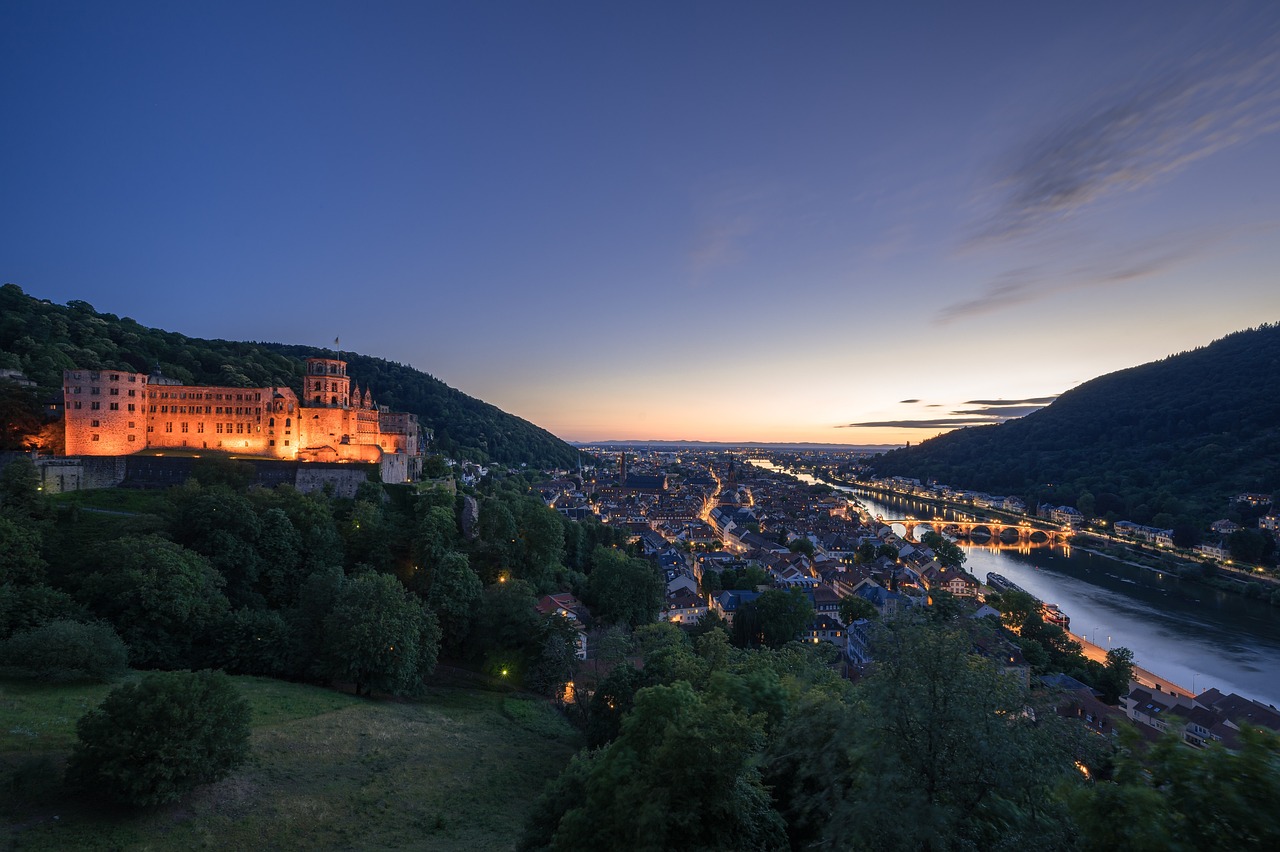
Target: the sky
pixel 861 223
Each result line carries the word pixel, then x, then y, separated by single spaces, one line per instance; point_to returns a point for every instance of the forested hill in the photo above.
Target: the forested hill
pixel 1177 436
pixel 42 339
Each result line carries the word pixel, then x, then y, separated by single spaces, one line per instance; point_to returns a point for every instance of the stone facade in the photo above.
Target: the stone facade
pixel 114 413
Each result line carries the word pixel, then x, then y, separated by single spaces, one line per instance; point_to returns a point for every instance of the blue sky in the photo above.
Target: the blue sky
pixel 722 221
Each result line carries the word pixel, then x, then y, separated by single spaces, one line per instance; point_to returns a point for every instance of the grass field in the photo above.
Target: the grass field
pixel 457 769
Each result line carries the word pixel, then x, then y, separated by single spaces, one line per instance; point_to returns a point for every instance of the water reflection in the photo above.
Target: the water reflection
pixel 1187 632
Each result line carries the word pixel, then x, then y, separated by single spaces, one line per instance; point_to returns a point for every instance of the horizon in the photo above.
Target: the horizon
pixel 829 225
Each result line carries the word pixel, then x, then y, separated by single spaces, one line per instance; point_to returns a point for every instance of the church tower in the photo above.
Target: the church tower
pixel 326 383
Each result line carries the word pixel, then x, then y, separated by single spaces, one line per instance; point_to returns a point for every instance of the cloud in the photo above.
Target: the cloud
pixel 1003 412
pixel 946 423
pixel 907 401
pixel 1189 104
pixel 1129 138
pixel 1114 266
pixel 1035 400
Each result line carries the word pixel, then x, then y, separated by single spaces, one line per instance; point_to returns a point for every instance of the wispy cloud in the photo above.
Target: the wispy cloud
pixel 1147 131
pixel 1035 400
pixel 1001 412
pixel 1185 107
pixel 941 423
pixel 907 401
pixel 1114 266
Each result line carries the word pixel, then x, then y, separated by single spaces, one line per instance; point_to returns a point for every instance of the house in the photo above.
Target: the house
pixel 1214 550
pixel 727 603
pixel 567 606
pixel 824 628
pixel 684 607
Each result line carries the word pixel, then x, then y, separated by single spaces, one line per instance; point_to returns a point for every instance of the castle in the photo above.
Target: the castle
pixel 114 413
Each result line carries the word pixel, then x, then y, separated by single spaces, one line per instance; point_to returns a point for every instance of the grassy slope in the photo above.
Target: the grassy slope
pixel 457 769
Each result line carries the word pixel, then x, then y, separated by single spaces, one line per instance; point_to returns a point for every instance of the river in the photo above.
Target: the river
pixel 1186 632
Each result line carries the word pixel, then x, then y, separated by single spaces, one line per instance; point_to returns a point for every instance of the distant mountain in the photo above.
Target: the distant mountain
pixel 42 339
pixel 1176 437
pixel 728 445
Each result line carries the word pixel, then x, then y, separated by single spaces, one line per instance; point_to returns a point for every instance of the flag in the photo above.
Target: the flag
pixel 335 343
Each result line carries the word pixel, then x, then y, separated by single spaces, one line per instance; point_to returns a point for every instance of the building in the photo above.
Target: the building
pixel 116 413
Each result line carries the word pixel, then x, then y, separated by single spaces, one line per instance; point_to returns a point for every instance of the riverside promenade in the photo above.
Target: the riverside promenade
pixel 1148 679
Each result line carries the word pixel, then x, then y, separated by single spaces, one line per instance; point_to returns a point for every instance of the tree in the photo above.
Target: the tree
pixel 1116 674
pixel 379 636
pixel 680 775
pixel 944 736
pixel 865 553
pixel 161 597
pixel 624 590
pixel 20 560
pixel 854 608
pixel 947 552
pixel 1247 546
pixel 154 741
pixel 1015 606
pixel 20 488
pixel 65 651
pixel 773 619
pixel 455 599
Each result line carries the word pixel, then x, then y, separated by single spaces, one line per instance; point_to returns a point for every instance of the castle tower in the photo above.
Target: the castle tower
pixel 326 383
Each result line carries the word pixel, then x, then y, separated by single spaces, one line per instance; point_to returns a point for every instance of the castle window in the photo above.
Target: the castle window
pixel 94 406
pixel 239 428
pixel 75 389
pixel 132 407
pixel 151 428
pixel 271 422
pixel 94 391
pixel 184 428
pixel 199 428
pixel 208 410
pixel 130 424
pixel 132 378
pixel 164 409
pixel 115 377
pixel 228 428
pixel 94 423
pixel 219 428
pixel 288 421
pixel 218 409
pixel 115 391
pixel 271 443
pixel 77 404
pixel 153 409
pixel 286 443
pixel 115 406
pixel 133 392
pixel 95 437
pixel 317 398
pixel 133 437
pixel 168 427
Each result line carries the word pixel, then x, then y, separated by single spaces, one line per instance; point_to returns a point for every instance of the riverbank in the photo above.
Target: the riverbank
pixel 1186 566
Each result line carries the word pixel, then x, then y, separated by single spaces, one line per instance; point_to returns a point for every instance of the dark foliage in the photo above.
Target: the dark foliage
pixel 154 741
pixel 1177 436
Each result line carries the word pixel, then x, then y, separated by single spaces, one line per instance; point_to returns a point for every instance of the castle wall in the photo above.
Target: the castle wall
pixel 104 411
pixel 114 414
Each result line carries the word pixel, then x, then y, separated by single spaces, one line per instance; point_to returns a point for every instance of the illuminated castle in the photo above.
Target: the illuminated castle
pixel 113 413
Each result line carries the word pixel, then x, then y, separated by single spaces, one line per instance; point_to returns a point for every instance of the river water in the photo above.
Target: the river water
pixel 1189 633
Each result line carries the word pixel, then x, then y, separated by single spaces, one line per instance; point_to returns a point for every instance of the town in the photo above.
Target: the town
pixel 724 530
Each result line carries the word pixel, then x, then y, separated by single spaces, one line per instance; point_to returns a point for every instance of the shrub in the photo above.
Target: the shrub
pixel 152 742
pixel 65 651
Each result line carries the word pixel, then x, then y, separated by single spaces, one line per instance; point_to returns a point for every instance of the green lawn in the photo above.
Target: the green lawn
pixel 457 769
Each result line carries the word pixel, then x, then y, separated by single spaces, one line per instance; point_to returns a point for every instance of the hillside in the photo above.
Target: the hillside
pixel 1178 436
pixel 459 768
pixel 42 339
